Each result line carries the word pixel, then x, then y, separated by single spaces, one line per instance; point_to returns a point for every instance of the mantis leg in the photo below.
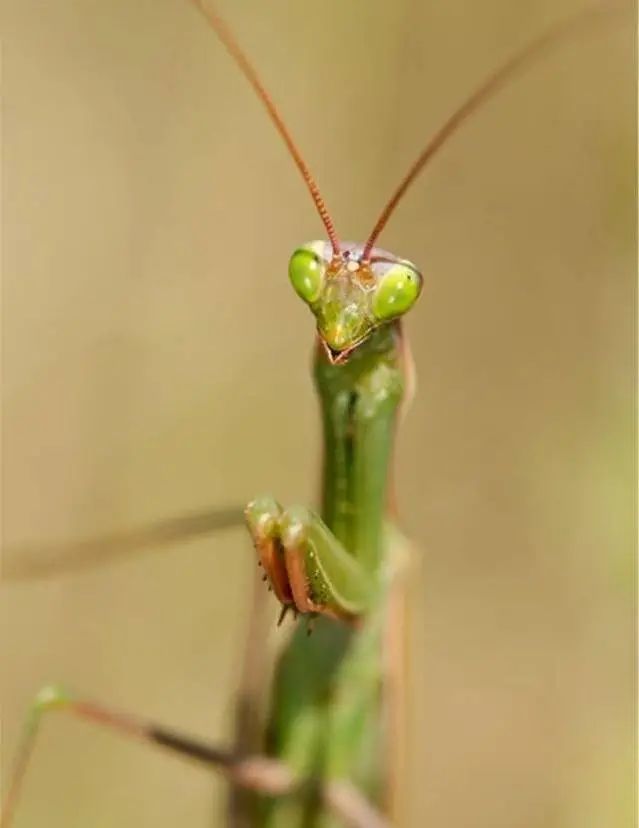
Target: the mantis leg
pixel 43 560
pixel 52 698
pixel 269 777
pixel 308 568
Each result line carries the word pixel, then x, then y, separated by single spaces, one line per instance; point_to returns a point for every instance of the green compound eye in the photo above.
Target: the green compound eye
pixel 306 272
pixel 396 292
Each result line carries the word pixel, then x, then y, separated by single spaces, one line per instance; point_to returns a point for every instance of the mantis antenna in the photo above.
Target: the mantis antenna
pixel 249 72
pixel 493 83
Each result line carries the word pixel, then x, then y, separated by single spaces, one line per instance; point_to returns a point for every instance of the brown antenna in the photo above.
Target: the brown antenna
pixel 522 59
pixel 233 48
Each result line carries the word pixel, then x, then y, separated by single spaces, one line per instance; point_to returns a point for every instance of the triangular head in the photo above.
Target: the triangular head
pixel 353 289
pixel 351 296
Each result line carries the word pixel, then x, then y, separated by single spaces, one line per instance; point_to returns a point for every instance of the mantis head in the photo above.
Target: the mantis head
pixel 353 289
pixel 349 295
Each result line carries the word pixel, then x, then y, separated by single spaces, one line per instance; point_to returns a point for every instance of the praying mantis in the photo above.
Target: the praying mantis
pixel 350 593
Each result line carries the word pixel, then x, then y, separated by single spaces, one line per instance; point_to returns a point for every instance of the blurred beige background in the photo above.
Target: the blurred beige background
pixel 155 361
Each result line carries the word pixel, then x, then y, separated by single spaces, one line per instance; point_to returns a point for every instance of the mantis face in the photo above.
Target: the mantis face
pixel 350 297
pixel 353 289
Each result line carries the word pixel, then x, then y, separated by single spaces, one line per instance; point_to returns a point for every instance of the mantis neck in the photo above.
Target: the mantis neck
pixel 359 400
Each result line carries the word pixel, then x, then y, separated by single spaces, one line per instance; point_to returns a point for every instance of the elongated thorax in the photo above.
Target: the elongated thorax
pixel 359 402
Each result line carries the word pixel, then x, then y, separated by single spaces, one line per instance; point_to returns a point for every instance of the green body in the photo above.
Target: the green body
pixel 329 716
pixel 327 706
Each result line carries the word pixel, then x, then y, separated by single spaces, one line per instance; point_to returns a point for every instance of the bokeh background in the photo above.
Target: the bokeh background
pixel 155 361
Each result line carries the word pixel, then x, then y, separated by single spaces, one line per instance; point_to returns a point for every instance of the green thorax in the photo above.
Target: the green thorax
pixel 359 400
